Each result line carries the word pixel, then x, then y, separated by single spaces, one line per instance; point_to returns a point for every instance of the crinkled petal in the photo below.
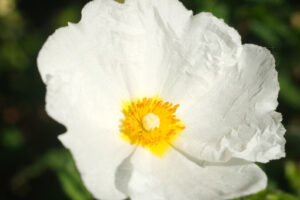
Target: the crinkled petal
pixel 176 177
pixel 207 46
pixel 235 117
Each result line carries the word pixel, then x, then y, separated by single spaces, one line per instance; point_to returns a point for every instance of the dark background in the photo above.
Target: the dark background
pixel 34 165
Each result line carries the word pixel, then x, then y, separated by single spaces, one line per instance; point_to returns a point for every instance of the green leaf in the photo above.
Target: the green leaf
pixel 269 195
pixel 292 173
pixel 72 187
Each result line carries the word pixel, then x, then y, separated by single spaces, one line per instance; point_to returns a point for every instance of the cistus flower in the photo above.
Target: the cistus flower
pixel 160 104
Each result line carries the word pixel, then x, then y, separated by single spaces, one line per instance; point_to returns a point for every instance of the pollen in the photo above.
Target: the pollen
pixel 150 123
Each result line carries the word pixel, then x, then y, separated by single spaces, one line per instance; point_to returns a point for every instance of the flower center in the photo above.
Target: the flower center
pixel 150 123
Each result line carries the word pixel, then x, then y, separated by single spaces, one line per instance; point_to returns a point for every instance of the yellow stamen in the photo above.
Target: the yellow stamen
pixel 151 123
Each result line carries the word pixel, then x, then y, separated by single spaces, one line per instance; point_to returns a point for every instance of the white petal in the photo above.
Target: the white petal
pixel 85 88
pixel 79 66
pixel 236 117
pixel 116 52
pixel 175 177
pixel 135 43
pixel 139 36
pixel 207 45
pixel 98 154
pixel 153 52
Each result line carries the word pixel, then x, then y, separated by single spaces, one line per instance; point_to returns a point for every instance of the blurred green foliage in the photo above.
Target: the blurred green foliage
pixel 270 195
pixel 292 174
pixel 61 163
pixel 34 165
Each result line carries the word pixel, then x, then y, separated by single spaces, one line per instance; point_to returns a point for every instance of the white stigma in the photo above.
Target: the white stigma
pixel 150 121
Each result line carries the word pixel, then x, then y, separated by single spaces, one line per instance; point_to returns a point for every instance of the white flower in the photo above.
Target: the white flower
pixel 108 80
